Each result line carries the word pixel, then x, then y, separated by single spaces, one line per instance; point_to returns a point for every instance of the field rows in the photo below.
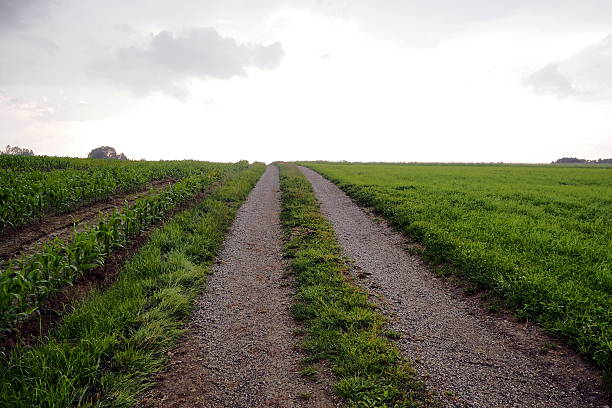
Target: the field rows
pixel 104 351
pixel 27 281
pixel 26 196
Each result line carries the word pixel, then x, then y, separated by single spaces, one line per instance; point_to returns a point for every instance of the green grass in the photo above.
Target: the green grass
pixel 342 326
pixel 105 351
pixel 537 237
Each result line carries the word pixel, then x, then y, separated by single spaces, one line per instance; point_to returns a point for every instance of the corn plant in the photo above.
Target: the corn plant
pixel 32 187
pixel 28 281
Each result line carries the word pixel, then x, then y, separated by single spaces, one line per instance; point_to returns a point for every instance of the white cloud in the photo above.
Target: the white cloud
pixel 21 13
pixel 168 60
pixel 585 75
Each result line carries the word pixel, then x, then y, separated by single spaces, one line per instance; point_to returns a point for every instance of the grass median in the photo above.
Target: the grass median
pixel 341 325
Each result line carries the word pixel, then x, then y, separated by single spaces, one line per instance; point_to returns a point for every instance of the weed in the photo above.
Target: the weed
pixel 305 395
pixel 309 371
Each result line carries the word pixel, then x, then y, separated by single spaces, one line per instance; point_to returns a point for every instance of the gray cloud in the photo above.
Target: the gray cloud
pixel 586 75
pixel 549 80
pixel 169 59
pixel 21 13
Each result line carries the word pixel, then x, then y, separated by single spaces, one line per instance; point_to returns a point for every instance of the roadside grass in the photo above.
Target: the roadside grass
pixel 341 325
pixel 538 238
pixel 105 351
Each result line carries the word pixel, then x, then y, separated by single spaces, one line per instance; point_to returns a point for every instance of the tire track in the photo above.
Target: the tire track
pixel 240 348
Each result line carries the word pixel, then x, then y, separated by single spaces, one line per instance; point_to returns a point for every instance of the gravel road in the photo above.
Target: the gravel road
pixel 471 357
pixel 240 348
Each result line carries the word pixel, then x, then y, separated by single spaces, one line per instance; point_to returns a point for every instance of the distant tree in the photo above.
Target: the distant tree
pixel 17 151
pixel 566 160
pixel 569 160
pixel 106 152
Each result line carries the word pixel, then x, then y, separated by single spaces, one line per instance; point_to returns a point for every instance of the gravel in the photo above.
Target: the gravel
pixel 472 358
pixel 240 350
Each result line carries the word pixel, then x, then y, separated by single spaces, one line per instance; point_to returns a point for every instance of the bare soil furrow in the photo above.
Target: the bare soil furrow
pixel 471 357
pixel 240 348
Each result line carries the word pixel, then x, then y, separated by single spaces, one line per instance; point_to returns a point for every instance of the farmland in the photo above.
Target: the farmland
pixel 125 327
pixel 29 280
pixel 310 300
pixel 31 187
pixel 537 237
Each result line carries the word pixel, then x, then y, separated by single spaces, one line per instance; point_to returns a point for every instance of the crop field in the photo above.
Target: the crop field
pixel 26 281
pixel 119 328
pixel 31 187
pixel 114 307
pixel 538 237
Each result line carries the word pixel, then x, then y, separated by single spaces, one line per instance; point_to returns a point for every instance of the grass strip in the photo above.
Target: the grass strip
pixel 342 326
pixel 105 351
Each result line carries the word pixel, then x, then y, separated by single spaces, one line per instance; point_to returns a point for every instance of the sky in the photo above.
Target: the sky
pixel 223 80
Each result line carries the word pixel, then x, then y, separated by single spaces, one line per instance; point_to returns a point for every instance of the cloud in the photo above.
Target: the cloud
pixel 585 75
pixel 21 13
pixel 549 80
pixel 168 60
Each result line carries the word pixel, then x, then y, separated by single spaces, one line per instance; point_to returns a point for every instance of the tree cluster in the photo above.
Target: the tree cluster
pixel 17 151
pixel 106 152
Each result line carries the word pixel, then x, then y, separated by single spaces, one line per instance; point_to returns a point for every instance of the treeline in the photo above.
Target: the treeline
pixel 102 152
pixel 575 160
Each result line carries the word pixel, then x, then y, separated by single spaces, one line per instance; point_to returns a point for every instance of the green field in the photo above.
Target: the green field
pixel 27 281
pixel 106 347
pixel 32 187
pixel 538 237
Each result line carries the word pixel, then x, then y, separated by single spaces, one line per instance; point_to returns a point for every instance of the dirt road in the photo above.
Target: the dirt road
pixel 241 348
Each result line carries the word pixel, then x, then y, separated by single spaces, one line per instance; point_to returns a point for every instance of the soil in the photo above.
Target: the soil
pixel 240 349
pixel 20 240
pixel 469 356
pixel 51 312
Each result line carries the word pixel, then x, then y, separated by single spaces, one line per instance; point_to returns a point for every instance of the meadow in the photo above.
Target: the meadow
pixel 537 238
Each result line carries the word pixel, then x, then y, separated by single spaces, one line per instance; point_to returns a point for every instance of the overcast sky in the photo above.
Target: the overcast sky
pixel 223 80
